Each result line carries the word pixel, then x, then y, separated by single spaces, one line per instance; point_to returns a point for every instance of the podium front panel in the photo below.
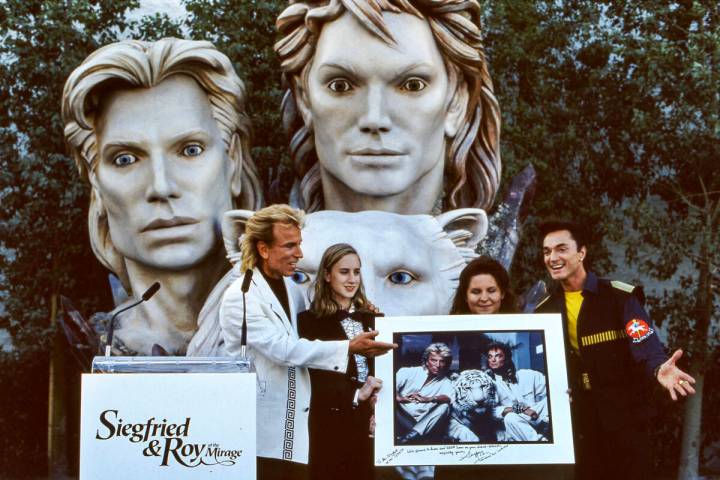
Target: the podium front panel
pixel 168 426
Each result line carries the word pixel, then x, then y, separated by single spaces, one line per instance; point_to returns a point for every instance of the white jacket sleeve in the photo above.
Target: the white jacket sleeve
pixel 268 336
pixel 504 398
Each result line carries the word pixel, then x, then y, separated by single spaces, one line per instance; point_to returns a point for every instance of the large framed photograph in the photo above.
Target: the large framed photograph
pixel 473 389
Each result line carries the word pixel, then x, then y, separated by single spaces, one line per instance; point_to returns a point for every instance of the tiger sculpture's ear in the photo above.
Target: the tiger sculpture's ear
pixel 233 228
pixel 465 227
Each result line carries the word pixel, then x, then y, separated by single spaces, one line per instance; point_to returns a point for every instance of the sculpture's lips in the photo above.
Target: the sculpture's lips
pixel 377 157
pixel 374 152
pixel 161 223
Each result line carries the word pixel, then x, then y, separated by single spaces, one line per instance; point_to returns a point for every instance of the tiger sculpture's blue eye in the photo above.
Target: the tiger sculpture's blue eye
pixel 300 277
pixel 401 277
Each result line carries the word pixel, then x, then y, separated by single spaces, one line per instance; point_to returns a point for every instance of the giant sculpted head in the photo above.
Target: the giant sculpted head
pixel 160 132
pixel 390 105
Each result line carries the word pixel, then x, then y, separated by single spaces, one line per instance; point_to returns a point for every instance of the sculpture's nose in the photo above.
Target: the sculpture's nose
pixel 161 185
pixel 375 118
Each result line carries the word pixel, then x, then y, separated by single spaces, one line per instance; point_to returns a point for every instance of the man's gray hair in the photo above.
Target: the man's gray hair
pixel 439 348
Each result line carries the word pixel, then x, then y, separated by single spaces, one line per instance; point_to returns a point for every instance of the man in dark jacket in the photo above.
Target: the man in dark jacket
pixel 614 358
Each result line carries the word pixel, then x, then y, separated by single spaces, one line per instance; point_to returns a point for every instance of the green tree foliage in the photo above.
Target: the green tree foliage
pixel 44 248
pixel 615 103
pixel 616 106
pixel 671 57
pixel 42 206
pixel 245 32
pixel 548 60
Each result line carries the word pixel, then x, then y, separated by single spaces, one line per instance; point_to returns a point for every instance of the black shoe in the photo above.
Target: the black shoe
pixel 411 438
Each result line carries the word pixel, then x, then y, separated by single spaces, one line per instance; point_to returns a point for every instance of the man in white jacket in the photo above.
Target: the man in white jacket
pixel 270 251
pixel 521 397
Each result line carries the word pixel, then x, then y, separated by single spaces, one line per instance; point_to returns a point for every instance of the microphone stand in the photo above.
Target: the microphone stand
pixel 243 335
pixel 111 328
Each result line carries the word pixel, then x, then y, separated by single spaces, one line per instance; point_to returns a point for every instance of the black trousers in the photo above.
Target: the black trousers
pixel 275 469
pixel 624 453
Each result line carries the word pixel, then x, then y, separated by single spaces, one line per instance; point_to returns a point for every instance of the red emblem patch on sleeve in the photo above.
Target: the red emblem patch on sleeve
pixel 638 330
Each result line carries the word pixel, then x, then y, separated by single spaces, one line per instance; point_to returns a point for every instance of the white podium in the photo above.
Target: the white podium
pixel 168 418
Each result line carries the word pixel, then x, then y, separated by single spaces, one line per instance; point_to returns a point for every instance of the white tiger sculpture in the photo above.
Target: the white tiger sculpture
pixel 471 418
pixel 410 263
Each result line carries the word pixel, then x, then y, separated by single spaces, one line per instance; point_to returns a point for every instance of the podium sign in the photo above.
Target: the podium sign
pixel 168 426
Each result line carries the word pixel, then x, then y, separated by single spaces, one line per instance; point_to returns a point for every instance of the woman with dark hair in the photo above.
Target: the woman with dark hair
pixel 484 288
pixel 340 405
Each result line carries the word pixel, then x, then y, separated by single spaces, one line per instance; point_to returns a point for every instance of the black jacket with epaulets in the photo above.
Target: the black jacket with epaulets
pixel 619 350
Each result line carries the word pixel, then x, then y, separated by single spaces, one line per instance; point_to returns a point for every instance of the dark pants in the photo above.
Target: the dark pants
pixel 624 453
pixel 275 469
pixel 340 447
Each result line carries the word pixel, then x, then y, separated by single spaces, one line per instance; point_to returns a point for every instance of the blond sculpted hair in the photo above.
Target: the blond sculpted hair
pixel 137 64
pixel 472 163
pixel 259 227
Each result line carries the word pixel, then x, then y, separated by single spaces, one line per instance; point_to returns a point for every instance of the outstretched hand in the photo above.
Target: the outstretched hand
pixel 364 344
pixel 673 379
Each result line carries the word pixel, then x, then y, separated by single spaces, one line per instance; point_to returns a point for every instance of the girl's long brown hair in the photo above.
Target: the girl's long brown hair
pixel 323 303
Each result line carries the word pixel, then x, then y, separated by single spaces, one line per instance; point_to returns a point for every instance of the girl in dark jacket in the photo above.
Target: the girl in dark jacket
pixel 340 405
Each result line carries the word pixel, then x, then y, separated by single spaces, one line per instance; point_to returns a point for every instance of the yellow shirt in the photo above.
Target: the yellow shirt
pixel 573 302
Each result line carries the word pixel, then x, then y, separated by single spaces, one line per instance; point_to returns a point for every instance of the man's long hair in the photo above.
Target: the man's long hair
pixel 259 227
pixel 508 370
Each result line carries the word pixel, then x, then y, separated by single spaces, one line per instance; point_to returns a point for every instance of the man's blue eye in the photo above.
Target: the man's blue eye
pixel 401 277
pixel 300 277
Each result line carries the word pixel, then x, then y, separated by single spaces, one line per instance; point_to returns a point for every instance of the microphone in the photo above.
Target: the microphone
pixel 111 328
pixel 150 291
pixel 243 335
pixel 246 281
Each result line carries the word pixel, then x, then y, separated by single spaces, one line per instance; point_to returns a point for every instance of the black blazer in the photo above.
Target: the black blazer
pixel 339 443
pixel 330 389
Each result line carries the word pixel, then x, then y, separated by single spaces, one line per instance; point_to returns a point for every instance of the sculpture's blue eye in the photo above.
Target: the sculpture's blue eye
pixel 192 150
pixel 401 277
pixel 300 277
pixel 124 159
